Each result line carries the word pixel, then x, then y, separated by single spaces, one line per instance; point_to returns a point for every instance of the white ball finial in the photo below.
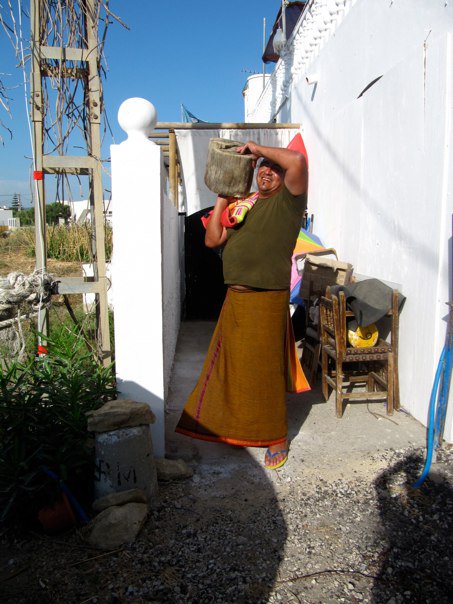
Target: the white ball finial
pixel 137 117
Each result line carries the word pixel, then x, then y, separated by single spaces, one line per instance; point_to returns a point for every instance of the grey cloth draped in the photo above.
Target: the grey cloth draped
pixel 369 300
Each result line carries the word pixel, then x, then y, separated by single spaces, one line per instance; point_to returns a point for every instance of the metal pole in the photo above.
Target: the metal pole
pixel 264 49
pixel 284 17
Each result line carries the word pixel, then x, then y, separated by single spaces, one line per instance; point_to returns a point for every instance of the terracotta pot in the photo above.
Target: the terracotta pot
pixel 58 517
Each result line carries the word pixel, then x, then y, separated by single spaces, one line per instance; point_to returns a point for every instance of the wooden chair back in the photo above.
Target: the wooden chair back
pixel 334 317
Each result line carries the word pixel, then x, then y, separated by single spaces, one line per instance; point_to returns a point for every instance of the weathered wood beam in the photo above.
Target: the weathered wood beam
pixel 70 164
pixel 63 71
pixel 64 54
pixel 77 285
pixel 158 135
pixel 222 125
pixel 173 168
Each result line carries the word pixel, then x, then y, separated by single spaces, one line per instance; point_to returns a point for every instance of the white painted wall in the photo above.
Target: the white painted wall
pixel 380 165
pixel 251 93
pixel 172 239
pixel 83 205
pixel 5 216
pixel 145 266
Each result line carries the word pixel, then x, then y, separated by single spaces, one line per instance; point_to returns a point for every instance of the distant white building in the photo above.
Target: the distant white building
pixel 7 219
pixel 5 216
pixel 80 210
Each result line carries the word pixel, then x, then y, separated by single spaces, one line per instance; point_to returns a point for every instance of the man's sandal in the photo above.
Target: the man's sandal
pixel 270 455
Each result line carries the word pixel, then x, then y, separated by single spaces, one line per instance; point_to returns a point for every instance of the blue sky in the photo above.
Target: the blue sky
pixel 198 53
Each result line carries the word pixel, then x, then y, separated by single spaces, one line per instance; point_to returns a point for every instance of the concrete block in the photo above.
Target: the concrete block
pixel 124 460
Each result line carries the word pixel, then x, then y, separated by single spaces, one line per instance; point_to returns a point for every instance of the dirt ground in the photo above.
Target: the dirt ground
pixel 12 262
pixel 240 534
pixel 18 260
pixel 340 522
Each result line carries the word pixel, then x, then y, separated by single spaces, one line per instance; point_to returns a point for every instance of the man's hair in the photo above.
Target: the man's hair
pixel 271 164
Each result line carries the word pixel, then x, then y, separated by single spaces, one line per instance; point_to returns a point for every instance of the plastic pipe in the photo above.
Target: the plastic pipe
pixel 432 408
pixel 441 411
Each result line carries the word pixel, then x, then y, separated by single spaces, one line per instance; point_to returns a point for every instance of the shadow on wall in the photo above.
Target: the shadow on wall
pixel 417 525
pixel 374 205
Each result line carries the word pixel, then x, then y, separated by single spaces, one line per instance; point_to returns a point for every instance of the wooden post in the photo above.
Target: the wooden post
pixel 38 175
pixel 173 167
pixel 89 165
pixel 96 190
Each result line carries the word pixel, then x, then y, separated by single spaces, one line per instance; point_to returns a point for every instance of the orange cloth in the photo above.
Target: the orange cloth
pixel 235 212
pixel 240 395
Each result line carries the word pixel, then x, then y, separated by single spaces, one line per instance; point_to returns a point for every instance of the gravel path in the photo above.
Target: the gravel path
pixel 241 534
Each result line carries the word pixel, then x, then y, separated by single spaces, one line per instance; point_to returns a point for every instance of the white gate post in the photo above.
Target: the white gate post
pixel 137 263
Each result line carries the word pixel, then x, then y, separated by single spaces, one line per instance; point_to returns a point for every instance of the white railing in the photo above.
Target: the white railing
pixel 316 25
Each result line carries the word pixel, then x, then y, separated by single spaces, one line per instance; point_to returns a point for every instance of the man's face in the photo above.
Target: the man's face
pixel 269 178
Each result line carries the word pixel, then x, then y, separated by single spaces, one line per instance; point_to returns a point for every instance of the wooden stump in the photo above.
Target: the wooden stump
pixel 227 172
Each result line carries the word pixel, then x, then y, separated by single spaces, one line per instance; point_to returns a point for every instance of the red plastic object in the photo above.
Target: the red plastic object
pixel 37 174
pixel 58 517
pixel 297 144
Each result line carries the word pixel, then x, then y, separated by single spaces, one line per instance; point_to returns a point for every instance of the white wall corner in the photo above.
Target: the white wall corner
pixel 137 264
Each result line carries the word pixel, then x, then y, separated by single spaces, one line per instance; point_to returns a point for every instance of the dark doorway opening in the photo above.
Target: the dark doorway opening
pixel 205 290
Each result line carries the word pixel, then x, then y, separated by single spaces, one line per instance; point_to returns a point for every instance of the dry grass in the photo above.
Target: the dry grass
pixel 17 255
pixel 18 258
pixel 67 249
pixel 65 243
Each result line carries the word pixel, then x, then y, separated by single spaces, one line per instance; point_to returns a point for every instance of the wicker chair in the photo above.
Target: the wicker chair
pixel 345 367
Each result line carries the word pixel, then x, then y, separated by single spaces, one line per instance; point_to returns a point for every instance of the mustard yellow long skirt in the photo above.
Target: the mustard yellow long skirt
pixel 251 363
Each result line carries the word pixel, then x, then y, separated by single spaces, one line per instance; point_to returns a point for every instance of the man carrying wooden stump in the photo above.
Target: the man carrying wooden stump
pixel 252 360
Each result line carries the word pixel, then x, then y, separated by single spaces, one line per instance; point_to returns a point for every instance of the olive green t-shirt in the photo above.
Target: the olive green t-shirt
pixel 258 252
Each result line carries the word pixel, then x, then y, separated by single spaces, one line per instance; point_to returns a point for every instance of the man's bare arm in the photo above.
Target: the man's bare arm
pixel 216 233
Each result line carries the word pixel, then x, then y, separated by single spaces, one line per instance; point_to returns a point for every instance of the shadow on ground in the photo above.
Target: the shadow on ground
pixel 224 538
pixel 417 525
pixel 338 523
pixel 211 539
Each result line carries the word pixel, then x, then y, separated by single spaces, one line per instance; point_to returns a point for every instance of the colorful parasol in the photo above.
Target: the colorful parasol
pixel 306 243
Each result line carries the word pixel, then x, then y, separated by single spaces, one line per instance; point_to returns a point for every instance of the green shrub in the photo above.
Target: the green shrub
pixel 43 427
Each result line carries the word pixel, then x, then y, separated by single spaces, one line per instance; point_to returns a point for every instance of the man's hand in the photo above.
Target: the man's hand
pixel 249 148
pixel 252 149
